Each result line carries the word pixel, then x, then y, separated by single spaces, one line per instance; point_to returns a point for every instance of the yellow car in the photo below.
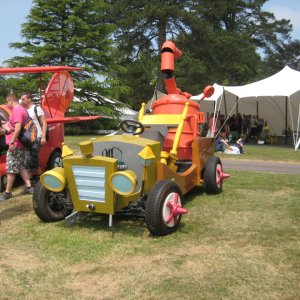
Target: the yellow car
pixel 144 170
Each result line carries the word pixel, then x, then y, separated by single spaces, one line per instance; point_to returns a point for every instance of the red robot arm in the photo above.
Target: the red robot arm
pixel 170 53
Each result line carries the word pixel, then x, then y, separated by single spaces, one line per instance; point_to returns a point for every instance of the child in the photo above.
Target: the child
pixel 240 143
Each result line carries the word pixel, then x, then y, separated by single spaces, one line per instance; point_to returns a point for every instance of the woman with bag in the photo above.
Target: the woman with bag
pixel 15 155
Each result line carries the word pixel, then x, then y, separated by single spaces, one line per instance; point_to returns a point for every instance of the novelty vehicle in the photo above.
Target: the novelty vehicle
pixel 144 170
pixel 54 102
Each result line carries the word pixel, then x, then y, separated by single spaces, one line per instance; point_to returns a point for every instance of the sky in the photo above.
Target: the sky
pixel 14 13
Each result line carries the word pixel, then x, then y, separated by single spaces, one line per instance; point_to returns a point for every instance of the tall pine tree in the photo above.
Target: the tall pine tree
pixel 70 32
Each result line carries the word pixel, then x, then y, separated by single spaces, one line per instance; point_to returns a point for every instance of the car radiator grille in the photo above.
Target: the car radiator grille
pixel 90 183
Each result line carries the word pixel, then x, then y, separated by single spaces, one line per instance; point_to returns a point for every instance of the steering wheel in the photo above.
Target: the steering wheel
pixel 132 126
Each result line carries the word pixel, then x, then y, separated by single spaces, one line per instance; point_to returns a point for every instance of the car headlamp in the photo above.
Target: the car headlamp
pixel 54 180
pixel 123 182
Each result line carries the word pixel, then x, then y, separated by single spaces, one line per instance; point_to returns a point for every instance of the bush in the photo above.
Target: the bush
pixel 90 127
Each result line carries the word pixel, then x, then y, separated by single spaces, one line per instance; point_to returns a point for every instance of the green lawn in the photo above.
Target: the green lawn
pixel 253 152
pixel 267 152
pixel 240 244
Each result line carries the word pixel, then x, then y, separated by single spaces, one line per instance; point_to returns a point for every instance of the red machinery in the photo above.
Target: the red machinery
pixel 174 103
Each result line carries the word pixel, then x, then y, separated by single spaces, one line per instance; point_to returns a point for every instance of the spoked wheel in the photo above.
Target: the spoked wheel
pixel 51 206
pixel 213 175
pixel 164 208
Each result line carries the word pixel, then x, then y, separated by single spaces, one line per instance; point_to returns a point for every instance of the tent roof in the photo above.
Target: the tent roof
pixel 284 83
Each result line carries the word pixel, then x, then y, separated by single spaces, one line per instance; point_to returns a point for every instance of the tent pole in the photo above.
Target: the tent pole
pixel 297 145
pixel 237 105
pixel 297 139
pixel 286 121
pixel 225 106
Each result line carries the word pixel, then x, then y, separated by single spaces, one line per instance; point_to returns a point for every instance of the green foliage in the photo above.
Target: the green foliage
pixel 66 32
pixel 91 127
pixel 19 83
pixel 225 37
pixel 139 76
pixel 143 26
pixel 70 32
pixel 282 55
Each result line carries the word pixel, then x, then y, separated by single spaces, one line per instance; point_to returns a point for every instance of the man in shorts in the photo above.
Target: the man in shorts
pixel 15 155
pixel 37 115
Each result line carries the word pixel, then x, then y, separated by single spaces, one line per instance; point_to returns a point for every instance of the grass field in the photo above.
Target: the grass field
pixel 240 244
pixel 256 152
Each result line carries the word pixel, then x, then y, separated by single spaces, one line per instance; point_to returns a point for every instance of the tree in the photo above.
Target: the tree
pixel 227 38
pixel 70 32
pixel 286 54
pixel 143 26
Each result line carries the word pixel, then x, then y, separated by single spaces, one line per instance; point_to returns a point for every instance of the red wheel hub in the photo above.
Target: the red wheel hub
pixel 221 175
pixel 175 210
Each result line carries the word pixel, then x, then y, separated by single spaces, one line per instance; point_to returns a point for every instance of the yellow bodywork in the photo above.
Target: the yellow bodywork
pixel 81 165
pixel 97 182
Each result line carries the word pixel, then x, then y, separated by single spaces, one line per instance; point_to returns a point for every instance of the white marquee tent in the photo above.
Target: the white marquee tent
pixel 276 99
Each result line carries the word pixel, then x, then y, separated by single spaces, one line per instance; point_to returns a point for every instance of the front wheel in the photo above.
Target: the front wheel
pixel 164 208
pixel 51 206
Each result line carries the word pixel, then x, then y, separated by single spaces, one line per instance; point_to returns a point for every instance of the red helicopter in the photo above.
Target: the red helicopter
pixel 54 102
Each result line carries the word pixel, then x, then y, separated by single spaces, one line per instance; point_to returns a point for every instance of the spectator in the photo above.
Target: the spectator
pixel 246 126
pixel 238 123
pixel 212 126
pixel 220 143
pixel 231 123
pixel 260 124
pixel 265 132
pixel 15 155
pixel 253 131
pixel 37 115
pixel 240 143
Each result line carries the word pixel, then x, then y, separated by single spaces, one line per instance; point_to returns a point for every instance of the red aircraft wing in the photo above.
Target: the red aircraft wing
pixel 46 69
pixel 58 94
pixel 71 119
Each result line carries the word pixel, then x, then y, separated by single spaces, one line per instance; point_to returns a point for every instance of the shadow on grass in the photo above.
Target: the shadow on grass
pixel 125 224
pixel 15 210
pixel 132 225
pixel 197 191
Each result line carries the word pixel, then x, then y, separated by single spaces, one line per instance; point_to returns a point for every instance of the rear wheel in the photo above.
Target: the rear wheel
pixel 51 206
pixel 213 175
pixel 164 208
